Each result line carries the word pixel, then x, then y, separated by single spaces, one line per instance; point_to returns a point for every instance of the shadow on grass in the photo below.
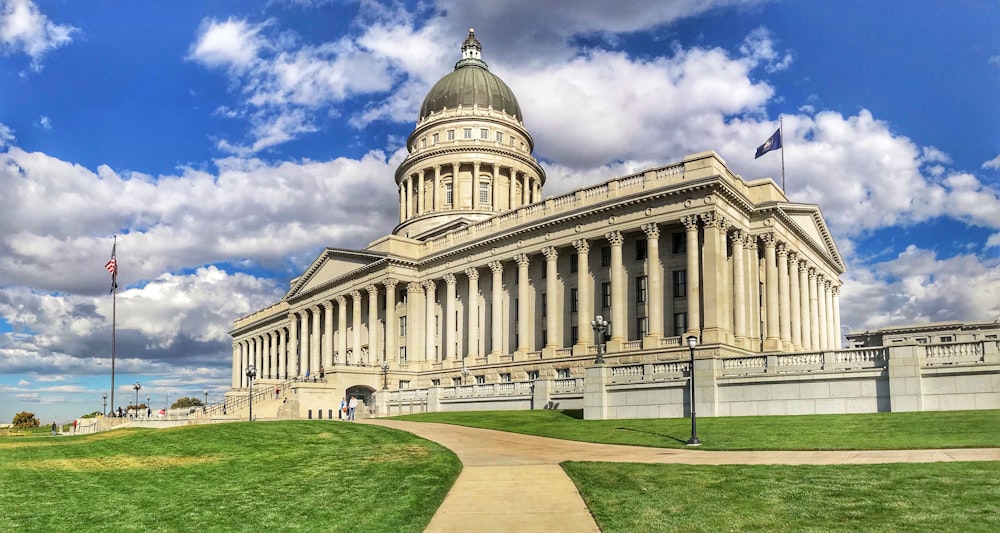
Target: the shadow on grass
pixel 573 413
pixel 653 433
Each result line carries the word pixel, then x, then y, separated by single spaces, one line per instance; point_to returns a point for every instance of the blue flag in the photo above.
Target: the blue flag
pixel 772 143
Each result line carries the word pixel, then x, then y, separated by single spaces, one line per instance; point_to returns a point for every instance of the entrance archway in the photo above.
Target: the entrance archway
pixel 365 396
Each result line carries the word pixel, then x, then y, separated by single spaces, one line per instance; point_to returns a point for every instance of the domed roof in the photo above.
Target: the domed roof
pixel 471 83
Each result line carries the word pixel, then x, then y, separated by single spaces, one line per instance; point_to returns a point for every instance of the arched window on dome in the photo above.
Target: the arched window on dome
pixel 447 195
pixel 484 193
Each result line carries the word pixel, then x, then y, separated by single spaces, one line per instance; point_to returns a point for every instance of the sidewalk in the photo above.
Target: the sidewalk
pixel 513 482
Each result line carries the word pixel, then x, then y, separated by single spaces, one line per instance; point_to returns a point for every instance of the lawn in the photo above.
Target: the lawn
pixel 916 497
pixel 875 431
pixel 274 476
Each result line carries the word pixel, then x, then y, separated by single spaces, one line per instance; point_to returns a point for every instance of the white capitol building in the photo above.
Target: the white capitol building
pixel 484 296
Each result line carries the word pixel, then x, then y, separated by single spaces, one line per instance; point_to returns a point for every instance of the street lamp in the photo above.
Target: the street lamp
pixel 600 326
pixel 465 373
pixel 105 411
pixel 137 387
pixel 385 375
pixel 205 408
pixel 251 373
pixel 693 441
pixel 149 407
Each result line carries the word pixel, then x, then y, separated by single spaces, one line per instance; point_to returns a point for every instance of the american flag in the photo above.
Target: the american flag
pixel 112 267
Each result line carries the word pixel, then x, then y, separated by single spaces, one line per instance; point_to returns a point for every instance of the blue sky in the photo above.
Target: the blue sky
pixel 227 143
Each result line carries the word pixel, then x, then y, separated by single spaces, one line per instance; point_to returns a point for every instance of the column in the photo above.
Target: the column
pixel 475 185
pixel 552 307
pixel 796 301
pixel 235 377
pixel 693 279
pixel 342 330
pixel 473 310
pixel 413 311
pixel 772 340
pixel 304 344
pixel 402 200
pixel 494 201
pixel 272 354
pixel 821 308
pixel 448 323
pixel 430 354
pixel 784 305
pixel 282 353
pixel 804 305
pixel 619 325
pixel 436 196
pixel 391 334
pixel 525 189
pixel 831 336
pixel 456 190
pixel 256 354
pixel 409 196
pixel 524 316
pixel 835 299
pixel 374 353
pixel 420 198
pixel 314 337
pixel 654 273
pixel 512 193
pixel 584 295
pixel 327 356
pixel 716 316
pixel 356 326
pixel 293 345
pixel 739 289
pixel 813 311
pixel 496 308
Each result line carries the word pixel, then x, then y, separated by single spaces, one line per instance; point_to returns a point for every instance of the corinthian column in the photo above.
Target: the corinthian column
pixel 739 289
pixel 784 307
pixel 585 298
pixel 804 305
pixel 314 340
pixel 693 278
pixel 619 327
pixel 373 344
pixel 496 308
pixel 813 311
pixel 554 339
pixel 391 333
pixel 448 324
pixel 304 342
pixel 795 299
pixel 835 299
pixel 341 330
pixel 293 345
pixel 473 320
pixel 413 312
pixel 282 353
pixel 654 271
pixel 821 310
pixel 430 353
pixel 523 310
pixel 772 342
pixel 327 334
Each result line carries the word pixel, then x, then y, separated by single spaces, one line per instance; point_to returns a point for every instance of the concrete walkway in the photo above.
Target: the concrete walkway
pixel 513 482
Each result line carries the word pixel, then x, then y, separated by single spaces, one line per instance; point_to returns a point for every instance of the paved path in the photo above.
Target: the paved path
pixel 513 482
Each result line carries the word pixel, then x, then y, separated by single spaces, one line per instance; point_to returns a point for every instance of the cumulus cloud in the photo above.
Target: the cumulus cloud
pixel 992 164
pixel 25 29
pixel 6 135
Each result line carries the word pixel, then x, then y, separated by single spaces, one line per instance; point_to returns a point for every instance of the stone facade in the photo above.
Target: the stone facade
pixel 485 275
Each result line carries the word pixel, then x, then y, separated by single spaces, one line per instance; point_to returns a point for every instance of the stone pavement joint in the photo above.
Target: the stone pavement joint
pixel 513 482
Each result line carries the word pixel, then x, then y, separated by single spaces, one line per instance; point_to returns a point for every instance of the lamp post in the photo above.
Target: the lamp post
pixel 600 327
pixel 251 373
pixel 693 441
pixel 129 410
pixel 105 411
pixel 137 388
pixel 205 408
pixel 385 375
pixel 465 374
pixel 149 407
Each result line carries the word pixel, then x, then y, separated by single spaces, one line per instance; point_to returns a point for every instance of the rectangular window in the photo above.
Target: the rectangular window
pixel 678 242
pixel 504 378
pixel 680 324
pixel 680 283
pixel 402 326
pixel 640 289
pixel 451 135
pixel 512 140
pixel 606 294
pixel 574 334
pixel 922 340
pixel 606 256
pixel 423 142
pixel 991 336
pixel 435 383
pixel 641 328
pixel 499 136
pixel 573 266
pixel 947 338
pixel 456 382
pixel 574 297
pixel 404 384
pixel 640 250
pixel 484 134
pixel 402 354
pixel 447 194
pixel 532 375
pixel 484 193
pixel 434 138
pixel 562 373
pixel 480 380
pixel 467 133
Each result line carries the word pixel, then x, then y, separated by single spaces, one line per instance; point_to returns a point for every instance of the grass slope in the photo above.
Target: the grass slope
pixel 275 476
pixel 875 431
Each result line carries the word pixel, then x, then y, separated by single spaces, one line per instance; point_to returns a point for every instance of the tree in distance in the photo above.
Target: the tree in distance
pixel 187 402
pixel 25 419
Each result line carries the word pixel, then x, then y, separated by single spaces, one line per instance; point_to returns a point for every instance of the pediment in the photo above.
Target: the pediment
pixel 809 221
pixel 331 264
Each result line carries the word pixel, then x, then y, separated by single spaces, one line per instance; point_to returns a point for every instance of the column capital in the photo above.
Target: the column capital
pixel 341 300
pixel 371 289
pixel 782 250
pixel 827 284
pixel 835 290
pixel 328 305
pixel 550 253
pixel 652 230
pixel 356 295
pixel 496 266
pixel 803 265
pixel 738 237
pixel 582 246
pixel 473 272
pixel 449 279
pixel 713 219
pixel 813 273
pixel 750 241
pixel 793 259
pixel 429 285
pixel 414 287
pixel 690 222
pixel 615 237
pixel 390 283
pixel 522 260
pixel 769 239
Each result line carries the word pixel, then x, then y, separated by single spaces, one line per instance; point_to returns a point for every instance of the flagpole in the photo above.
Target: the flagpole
pixel 114 304
pixel 781 135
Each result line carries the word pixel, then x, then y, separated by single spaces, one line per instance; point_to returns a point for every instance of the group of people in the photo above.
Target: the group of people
pixel 348 407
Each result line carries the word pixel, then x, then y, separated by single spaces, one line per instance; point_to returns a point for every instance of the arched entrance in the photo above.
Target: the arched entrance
pixel 365 396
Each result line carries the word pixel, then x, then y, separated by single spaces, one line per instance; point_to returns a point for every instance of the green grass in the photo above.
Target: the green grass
pixel 877 431
pixel 885 497
pixel 275 476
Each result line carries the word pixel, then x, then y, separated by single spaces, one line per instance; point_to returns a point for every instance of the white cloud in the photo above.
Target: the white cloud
pixel 993 241
pixel 232 44
pixel 45 123
pixel 25 29
pixel 759 47
pixel 992 164
pixel 6 135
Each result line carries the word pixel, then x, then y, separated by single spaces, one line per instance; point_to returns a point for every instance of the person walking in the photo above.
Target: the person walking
pixel 342 413
pixel 351 407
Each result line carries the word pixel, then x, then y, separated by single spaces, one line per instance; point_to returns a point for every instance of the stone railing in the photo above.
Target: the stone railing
pixel 407 395
pixel 661 371
pixel 671 342
pixel 567 385
pixel 855 359
pixel 485 390
pixel 953 353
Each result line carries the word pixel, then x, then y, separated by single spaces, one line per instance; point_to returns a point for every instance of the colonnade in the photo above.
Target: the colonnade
pixel 426 190
pixel 798 310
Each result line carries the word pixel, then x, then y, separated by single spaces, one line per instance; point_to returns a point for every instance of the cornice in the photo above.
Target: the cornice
pixel 414 161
